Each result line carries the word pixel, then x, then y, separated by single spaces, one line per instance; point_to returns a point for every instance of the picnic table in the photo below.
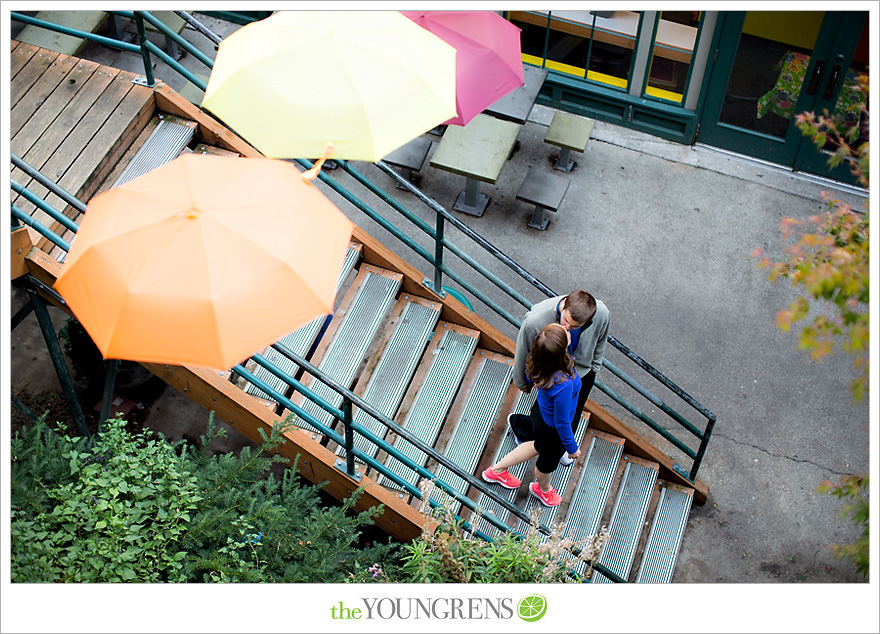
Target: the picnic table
pixel 477 151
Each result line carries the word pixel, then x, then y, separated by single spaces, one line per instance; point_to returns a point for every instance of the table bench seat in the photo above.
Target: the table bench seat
pixel 568 132
pixel 87 21
pixel 410 158
pixel 545 191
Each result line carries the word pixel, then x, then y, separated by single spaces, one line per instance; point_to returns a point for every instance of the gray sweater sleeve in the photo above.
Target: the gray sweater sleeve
pixel 541 314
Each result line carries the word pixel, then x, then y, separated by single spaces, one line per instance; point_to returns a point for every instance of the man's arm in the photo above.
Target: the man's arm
pixel 523 345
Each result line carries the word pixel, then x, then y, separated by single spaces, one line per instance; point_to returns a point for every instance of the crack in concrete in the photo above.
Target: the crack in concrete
pixel 779 455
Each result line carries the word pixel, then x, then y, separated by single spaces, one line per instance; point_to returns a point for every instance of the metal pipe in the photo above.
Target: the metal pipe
pixel 167 32
pixel 109 389
pixel 201 28
pixel 19 214
pixel 62 193
pixel 86 35
pixel 54 348
pixel 42 204
pixel 387 422
pixel 336 437
pixel 144 51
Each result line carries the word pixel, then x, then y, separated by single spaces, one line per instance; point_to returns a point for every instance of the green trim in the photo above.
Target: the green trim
pixel 571 94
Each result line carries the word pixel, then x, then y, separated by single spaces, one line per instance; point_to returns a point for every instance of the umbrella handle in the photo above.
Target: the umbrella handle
pixel 312 174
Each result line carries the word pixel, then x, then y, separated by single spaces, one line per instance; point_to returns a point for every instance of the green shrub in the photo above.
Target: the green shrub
pixel 132 508
pixel 118 515
pixel 855 488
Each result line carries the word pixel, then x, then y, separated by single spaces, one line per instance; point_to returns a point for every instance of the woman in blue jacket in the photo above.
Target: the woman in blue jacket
pixel 550 367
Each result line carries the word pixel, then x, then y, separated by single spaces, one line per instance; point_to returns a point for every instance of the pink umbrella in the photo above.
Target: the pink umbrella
pixel 488 62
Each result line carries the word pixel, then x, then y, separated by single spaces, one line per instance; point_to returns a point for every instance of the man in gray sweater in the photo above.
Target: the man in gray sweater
pixel 586 318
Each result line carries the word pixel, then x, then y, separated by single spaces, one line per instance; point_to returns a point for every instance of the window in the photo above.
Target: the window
pixel 601 47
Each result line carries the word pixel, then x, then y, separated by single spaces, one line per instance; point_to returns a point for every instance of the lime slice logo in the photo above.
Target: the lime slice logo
pixel 532 608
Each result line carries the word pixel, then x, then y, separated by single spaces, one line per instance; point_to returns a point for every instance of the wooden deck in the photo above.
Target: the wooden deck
pixel 72 120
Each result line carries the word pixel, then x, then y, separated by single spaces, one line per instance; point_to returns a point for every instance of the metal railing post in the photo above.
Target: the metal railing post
pixel 109 388
pixel 145 53
pixel 61 370
pixel 349 437
pixel 438 255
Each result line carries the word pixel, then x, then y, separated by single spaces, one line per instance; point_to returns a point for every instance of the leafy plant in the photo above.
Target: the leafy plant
pixel 119 514
pixel 443 554
pixel 827 256
pixel 135 508
pixel 854 488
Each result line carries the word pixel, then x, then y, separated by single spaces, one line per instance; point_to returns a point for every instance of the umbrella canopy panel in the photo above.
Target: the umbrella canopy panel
pixel 204 261
pixel 488 63
pixel 366 81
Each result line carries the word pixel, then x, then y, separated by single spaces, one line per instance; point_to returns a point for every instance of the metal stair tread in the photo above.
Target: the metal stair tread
pixel 448 361
pixel 300 340
pixel 166 142
pixel 627 518
pixel 664 539
pixel 594 485
pixel 396 367
pixel 559 481
pixel 374 290
pixel 478 415
pixel 523 405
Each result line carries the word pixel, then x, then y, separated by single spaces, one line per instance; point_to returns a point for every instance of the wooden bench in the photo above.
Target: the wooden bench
pixel 544 191
pixel 87 21
pixel 569 133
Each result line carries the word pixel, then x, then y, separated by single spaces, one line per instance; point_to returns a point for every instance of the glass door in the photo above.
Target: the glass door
pixel 772 65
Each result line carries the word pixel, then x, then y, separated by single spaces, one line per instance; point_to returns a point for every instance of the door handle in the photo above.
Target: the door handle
pixel 832 81
pixel 814 78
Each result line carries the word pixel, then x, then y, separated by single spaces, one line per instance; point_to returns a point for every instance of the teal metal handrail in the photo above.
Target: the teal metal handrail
pixel 436 260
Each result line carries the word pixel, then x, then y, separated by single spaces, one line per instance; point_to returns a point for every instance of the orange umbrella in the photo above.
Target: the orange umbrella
pixel 204 261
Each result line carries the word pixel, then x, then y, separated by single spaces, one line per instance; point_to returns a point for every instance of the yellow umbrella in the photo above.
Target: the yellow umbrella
pixel 366 81
pixel 204 261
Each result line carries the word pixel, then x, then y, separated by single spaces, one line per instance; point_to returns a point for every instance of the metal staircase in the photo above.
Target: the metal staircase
pixel 432 378
pixel 400 385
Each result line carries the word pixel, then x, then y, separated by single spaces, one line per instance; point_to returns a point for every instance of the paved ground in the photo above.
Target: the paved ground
pixel 663 234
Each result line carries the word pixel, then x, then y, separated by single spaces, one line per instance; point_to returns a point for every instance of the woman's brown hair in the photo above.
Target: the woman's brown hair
pixel 549 356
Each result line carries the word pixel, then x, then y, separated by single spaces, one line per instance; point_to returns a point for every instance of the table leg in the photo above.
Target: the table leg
pixel 407 174
pixel 538 220
pixel 564 162
pixel 471 201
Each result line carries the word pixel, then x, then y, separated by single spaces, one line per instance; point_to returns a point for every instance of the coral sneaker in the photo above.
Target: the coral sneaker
pixel 505 478
pixel 547 498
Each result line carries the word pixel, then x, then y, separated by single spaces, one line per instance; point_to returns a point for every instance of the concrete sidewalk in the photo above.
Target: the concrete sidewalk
pixel 663 233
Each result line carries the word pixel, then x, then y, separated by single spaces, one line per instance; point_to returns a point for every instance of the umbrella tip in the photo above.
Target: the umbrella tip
pixel 312 174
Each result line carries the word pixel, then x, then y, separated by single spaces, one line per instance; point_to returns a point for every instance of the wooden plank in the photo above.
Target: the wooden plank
pixel 202 148
pixel 20 54
pixel 453 311
pixel 210 131
pixel 89 153
pixel 461 398
pixel 129 154
pixel 51 108
pixel 342 309
pixel 65 123
pixel 21 241
pixel 28 87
